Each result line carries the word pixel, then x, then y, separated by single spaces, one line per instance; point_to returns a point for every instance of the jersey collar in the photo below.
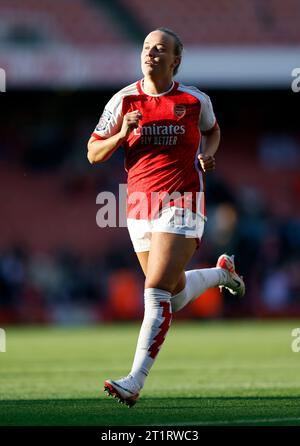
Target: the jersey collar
pixel 142 91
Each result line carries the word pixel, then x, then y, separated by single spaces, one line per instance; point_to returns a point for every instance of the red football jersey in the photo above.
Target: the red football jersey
pixel 161 154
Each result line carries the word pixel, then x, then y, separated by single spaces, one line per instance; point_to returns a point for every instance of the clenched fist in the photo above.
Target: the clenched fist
pixel 207 162
pixel 130 122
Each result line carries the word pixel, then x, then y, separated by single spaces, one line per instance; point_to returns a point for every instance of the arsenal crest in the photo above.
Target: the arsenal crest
pixel 179 110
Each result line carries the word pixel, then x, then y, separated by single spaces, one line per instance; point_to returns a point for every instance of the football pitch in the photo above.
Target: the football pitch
pixel 208 373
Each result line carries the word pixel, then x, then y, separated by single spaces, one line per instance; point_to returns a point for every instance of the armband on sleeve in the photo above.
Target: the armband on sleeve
pixel 111 119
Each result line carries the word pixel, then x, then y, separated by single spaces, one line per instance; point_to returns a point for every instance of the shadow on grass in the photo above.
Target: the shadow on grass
pixel 149 410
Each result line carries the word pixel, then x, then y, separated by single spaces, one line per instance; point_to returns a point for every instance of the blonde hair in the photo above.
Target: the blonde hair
pixel 178 45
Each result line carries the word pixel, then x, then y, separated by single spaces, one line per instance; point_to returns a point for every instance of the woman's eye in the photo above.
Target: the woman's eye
pixel 160 50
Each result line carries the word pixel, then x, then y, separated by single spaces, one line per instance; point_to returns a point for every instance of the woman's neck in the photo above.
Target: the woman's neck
pixel 154 86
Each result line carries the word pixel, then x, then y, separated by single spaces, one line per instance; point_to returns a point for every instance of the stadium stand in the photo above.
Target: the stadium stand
pixel 55 263
pixel 221 22
pixel 52 22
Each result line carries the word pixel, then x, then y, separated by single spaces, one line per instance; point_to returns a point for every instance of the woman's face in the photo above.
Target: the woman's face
pixel 158 58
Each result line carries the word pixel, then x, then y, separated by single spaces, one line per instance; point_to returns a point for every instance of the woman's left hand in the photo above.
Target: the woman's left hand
pixel 207 162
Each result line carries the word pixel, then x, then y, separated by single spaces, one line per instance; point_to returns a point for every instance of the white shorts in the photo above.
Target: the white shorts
pixel 172 219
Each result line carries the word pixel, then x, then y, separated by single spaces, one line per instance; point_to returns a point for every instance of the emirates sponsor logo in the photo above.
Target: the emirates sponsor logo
pixel 159 135
pixel 179 110
pixel 159 130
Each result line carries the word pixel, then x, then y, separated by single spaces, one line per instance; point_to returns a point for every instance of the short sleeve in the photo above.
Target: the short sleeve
pixel 207 117
pixel 111 119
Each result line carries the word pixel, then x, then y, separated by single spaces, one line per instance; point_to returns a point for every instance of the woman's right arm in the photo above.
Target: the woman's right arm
pixel 100 150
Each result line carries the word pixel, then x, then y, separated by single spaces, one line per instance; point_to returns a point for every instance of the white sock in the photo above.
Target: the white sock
pixel 156 323
pixel 197 282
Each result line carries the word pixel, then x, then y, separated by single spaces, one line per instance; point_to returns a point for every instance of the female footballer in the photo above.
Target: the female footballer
pixel 161 124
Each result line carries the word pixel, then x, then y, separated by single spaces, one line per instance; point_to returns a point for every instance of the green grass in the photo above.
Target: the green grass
pixel 233 373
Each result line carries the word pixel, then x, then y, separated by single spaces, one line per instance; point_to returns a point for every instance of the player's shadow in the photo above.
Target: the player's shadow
pixel 104 411
pixel 183 402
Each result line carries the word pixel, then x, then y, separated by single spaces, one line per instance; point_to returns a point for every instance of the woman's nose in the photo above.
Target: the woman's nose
pixel 151 52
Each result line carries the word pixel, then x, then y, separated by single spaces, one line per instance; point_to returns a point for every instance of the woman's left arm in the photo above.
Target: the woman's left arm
pixel 210 144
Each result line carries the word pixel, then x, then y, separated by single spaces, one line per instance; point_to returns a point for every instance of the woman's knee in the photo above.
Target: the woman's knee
pixel 172 284
pixel 161 283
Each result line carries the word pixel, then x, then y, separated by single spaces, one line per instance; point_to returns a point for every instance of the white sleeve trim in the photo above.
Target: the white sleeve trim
pixel 112 117
pixel 207 118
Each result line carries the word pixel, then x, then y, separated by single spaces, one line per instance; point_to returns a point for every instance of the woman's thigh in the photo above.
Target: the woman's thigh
pixel 169 254
pixel 143 259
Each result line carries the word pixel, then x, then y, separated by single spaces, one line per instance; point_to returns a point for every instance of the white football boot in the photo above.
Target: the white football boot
pixel 126 390
pixel 235 284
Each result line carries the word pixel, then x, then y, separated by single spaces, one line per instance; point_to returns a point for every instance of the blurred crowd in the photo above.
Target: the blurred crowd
pixel 63 286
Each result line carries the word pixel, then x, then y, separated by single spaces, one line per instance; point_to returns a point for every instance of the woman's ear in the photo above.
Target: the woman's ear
pixel 177 62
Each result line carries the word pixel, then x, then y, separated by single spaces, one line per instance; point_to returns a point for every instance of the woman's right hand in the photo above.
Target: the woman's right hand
pixel 130 122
